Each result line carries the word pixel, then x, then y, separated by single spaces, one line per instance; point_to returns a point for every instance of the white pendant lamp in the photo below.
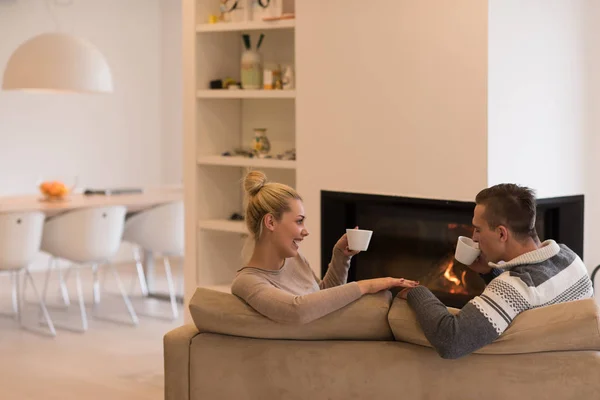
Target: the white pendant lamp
pixel 58 62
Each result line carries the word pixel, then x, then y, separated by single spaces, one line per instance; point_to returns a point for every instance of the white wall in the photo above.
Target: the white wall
pixel 129 138
pixel 171 91
pixel 592 209
pixel 105 140
pixel 537 95
pixel 543 101
pixel 391 99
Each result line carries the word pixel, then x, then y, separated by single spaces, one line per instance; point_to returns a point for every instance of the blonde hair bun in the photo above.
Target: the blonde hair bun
pixel 254 181
pixel 262 198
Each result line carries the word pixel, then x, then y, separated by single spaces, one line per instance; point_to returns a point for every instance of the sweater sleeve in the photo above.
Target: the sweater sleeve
pixel 337 271
pixel 282 306
pixel 452 336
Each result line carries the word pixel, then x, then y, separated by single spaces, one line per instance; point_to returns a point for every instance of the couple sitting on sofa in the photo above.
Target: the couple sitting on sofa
pixel 521 273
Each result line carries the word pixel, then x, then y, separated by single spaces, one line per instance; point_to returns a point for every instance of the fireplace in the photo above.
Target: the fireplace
pixel 416 238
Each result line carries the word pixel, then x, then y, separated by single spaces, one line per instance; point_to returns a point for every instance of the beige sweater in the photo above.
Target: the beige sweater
pixel 293 294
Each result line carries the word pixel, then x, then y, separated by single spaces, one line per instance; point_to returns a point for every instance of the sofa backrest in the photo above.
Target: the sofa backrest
pixel 566 326
pixel 364 319
pixel 560 327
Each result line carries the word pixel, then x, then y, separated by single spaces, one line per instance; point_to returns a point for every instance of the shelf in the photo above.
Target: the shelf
pixel 219 288
pixel 246 26
pixel 223 225
pixel 247 162
pixel 219 120
pixel 245 94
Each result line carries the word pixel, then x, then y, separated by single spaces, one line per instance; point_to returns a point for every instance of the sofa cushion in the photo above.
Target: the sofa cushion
pixel 364 319
pixel 566 326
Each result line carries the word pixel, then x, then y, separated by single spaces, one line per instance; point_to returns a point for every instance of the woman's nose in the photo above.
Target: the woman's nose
pixel 305 232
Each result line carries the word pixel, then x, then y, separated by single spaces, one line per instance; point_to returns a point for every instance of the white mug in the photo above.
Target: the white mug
pixel 467 250
pixel 358 239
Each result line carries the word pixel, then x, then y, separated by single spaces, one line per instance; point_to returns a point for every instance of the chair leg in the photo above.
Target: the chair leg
pixel 41 301
pixel 102 280
pixel 46 280
pixel 594 272
pixel 172 296
pixel 134 317
pixel 63 285
pixel 140 271
pixel 96 285
pixel 181 278
pixel 14 278
pixel 84 321
pixel 23 293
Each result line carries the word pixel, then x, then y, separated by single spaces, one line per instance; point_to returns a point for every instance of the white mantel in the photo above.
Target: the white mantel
pixel 437 99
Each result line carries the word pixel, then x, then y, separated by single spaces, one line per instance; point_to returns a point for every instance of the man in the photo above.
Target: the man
pixel 521 273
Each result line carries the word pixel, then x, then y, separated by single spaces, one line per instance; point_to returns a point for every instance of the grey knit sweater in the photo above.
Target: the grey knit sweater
pixel 549 275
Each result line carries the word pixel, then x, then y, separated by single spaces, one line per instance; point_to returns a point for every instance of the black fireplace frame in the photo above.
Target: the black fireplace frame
pixel 563 217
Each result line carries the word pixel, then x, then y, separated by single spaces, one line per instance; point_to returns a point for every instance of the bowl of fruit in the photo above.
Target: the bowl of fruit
pixel 54 191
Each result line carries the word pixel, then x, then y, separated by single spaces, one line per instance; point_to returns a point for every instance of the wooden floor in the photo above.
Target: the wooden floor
pixel 110 361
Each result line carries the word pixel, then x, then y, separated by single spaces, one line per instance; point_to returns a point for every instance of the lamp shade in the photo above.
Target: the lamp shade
pixel 58 62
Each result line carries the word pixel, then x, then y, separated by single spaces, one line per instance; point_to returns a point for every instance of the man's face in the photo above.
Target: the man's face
pixel 490 242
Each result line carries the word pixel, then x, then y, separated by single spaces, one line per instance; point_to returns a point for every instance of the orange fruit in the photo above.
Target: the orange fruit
pixel 54 188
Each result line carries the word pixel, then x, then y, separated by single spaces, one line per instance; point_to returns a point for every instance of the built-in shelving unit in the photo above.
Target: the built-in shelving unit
pixel 217 121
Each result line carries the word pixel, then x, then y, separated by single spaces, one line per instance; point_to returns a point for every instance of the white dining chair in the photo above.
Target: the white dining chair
pixel 88 237
pixel 159 230
pixel 20 239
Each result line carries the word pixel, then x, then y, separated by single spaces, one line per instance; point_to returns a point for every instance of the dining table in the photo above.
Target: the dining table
pixel 134 201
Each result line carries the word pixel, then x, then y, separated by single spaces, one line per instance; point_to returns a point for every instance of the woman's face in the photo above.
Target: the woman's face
pixel 290 230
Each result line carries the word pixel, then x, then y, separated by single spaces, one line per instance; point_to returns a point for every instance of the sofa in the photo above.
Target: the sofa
pixel 374 348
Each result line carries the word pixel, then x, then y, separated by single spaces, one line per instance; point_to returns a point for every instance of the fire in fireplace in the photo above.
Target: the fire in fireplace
pixel 416 238
pixel 453 283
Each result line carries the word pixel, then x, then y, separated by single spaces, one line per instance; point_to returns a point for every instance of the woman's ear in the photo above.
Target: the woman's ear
pixel 269 221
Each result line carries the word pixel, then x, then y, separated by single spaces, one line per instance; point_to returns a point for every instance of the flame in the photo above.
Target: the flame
pixel 458 284
pixel 449 275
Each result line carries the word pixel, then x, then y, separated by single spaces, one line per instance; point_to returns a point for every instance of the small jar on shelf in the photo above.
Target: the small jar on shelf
pixel 251 70
pixel 261 144
pixel 252 65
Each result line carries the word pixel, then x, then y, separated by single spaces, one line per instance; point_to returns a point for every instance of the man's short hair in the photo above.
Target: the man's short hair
pixel 510 205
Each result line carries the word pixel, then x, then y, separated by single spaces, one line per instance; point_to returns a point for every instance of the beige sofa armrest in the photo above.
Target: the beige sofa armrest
pixel 177 362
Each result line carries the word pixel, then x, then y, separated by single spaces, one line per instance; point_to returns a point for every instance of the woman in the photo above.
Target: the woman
pixel 277 281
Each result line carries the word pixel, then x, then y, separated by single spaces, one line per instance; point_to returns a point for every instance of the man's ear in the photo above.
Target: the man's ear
pixel 503 231
pixel 269 221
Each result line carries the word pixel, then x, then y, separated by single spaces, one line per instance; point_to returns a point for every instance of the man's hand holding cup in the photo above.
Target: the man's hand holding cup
pixel 468 253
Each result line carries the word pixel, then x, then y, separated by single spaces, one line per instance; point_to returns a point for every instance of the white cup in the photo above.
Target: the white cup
pixel 358 239
pixel 467 250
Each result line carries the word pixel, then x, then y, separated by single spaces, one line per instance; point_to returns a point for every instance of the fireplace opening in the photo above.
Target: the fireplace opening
pixel 416 238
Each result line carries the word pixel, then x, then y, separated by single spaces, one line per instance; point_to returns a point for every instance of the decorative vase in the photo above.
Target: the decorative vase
pixel 252 72
pixel 261 144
